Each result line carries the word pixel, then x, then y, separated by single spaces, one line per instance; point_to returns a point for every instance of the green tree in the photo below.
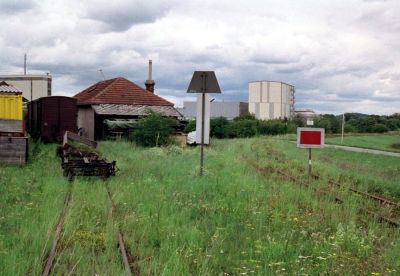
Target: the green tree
pixel 380 128
pixel 191 126
pixel 245 116
pixel 329 122
pixel 154 130
pixel 219 127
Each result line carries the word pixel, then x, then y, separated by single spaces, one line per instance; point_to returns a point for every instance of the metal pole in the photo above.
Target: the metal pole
pixel 203 103
pixel 203 100
pixel 309 162
pixel 342 129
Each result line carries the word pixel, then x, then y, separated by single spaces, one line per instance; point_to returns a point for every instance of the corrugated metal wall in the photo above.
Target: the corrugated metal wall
pixel 11 107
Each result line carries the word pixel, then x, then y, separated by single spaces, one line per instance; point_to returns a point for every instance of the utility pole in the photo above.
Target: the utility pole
pixel 343 120
pixel 25 57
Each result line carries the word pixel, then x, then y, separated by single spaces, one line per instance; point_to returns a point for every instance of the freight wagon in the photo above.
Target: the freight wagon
pixel 50 117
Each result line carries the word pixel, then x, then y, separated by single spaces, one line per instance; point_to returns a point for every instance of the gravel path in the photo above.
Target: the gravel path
pixel 373 151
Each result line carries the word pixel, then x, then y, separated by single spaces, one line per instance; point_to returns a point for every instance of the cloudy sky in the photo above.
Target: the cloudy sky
pixel 341 55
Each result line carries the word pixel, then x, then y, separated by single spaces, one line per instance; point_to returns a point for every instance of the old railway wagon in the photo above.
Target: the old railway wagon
pixel 50 117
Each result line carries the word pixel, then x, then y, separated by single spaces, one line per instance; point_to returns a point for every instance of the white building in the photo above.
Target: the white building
pixel 271 99
pixel 32 86
pixel 228 110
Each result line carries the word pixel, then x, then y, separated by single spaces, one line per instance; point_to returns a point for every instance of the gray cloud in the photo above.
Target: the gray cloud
pixel 338 60
pixel 120 15
pixel 9 7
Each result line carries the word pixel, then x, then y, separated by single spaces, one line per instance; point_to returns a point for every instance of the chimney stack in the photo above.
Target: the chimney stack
pixel 149 82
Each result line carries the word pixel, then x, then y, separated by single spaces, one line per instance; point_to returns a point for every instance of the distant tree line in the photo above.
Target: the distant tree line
pixel 155 129
pixel 356 123
pixel 245 125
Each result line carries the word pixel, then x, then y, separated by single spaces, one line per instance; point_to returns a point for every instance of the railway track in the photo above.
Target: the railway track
pixel 49 259
pixel 127 258
pixel 382 201
pixel 378 198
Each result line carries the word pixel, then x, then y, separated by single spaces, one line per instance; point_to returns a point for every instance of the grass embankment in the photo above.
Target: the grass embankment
pixel 235 219
pixel 380 142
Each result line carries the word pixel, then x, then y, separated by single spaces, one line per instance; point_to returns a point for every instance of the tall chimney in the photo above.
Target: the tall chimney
pixel 149 82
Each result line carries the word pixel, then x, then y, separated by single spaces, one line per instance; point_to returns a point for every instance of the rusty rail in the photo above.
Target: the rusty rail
pixel 126 256
pixel 48 260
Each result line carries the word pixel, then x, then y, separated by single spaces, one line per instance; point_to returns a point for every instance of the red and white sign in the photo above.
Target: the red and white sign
pixel 308 137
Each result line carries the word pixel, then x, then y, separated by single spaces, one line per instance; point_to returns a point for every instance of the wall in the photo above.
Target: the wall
pixel 86 121
pixel 228 110
pixel 11 107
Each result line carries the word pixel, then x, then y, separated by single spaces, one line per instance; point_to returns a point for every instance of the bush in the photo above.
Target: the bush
pixel 242 128
pixel 380 128
pixel 153 130
pixel 219 127
pixel 349 128
pixel 292 127
pixel 245 116
pixel 272 127
pixel 191 126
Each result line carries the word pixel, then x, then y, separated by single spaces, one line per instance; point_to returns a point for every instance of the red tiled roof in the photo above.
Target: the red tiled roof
pixel 119 91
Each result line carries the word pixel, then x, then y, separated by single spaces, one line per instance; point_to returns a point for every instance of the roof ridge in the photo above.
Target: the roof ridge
pixel 120 90
pixel 112 81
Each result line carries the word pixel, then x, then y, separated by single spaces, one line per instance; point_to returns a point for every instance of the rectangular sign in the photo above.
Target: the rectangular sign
pixel 308 137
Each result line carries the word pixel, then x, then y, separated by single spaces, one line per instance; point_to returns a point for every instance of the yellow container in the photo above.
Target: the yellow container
pixel 11 107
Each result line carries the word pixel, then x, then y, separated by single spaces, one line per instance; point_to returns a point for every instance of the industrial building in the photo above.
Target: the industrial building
pixel 228 110
pixel 271 100
pixel 33 86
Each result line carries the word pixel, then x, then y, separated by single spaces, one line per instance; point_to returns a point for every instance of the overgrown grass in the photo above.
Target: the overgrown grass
pixel 30 200
pixel 370 172
pixel 381 142
pixel 234 220
pixel 88 244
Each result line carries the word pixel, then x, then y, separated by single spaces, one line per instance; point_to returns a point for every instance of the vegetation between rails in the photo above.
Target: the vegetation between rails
pixel 236 219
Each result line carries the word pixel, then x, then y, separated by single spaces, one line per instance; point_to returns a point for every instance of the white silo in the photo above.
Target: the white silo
pixel 271 99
